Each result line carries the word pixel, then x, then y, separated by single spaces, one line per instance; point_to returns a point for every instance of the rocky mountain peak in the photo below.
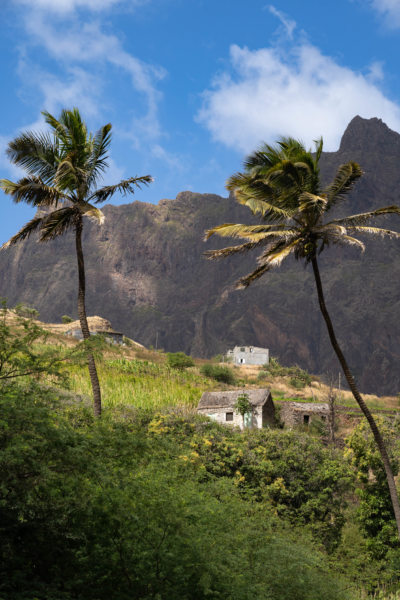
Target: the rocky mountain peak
pixel 369 135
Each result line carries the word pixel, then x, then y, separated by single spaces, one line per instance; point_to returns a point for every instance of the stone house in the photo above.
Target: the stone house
pixel 248 355
pixel 301 413
pixel 220 406
pixel 113 337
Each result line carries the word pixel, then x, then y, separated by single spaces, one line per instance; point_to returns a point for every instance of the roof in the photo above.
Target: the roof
pixel 306 406
pixel 255 349
pixel 227 399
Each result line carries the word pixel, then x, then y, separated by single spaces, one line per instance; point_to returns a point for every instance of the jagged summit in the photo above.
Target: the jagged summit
pixel 372 134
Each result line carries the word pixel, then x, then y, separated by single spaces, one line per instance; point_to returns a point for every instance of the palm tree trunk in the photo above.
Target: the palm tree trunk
pixel 83 319
pixel 352 385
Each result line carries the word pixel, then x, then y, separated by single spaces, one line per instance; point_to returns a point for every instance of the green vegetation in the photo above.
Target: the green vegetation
pixel 242 405
pixel 219 373
pixel 142 383
pixel 299 378
pixel 22 310
pixel 62 168
pixel 132 508
pixel 179 360
pixel 282 184
pixel 66 319
pixel 25 354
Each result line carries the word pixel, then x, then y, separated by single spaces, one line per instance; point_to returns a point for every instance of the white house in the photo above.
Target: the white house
pixel 248 355
pixel 220 407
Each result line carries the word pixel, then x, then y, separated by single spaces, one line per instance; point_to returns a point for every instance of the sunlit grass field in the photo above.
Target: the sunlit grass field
pixel 142 384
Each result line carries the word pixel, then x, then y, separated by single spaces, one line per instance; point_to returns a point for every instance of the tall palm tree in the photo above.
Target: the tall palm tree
pixel 282 184
pixel 63 166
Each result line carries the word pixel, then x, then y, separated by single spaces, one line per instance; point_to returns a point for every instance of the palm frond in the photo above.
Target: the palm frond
pixel 243 231
pixel 378 231
pixel 344 180
pixel 97 162
pixel 126 186
pixel 36 153
pixel 362 218
pixel 33 191
pixel 88 210
pixel 272 258
pixel 350 241
pixel 31 227
pixel 58 222
pixel 308 201
pixel 231 250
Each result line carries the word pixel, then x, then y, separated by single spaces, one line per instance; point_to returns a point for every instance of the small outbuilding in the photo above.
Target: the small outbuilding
pixel 220 406
pixel 113 337
pixel 248 355
pixel 293 414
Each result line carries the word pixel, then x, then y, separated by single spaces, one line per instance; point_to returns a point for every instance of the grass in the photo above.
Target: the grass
pixel 142 384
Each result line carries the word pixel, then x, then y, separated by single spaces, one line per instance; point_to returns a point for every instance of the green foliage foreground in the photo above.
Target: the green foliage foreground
pixel 119 509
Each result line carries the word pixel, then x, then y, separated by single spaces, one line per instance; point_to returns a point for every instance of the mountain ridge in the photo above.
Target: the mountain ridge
pixel 147 274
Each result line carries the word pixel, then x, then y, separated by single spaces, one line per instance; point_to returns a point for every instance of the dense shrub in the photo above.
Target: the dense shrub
pixel 299 378
pixel 26 311
pixel 179 360
pixel 219 373
pixel 114 510
pixel 66 319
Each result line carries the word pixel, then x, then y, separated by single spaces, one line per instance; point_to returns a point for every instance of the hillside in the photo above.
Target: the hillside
pixel 147 275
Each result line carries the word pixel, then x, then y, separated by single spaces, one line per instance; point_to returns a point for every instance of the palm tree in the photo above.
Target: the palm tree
pixel 282 184
pixel 62 168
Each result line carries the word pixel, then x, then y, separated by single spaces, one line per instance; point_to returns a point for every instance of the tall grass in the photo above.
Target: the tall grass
pixel 142 384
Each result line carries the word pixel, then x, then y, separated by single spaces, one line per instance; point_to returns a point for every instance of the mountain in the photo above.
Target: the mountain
pixel 146 273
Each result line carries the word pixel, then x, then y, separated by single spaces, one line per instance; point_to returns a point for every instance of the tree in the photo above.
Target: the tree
pixel 282 184
pixel 179 360
pixel 63 167
pixel 24 352
pixel 243 407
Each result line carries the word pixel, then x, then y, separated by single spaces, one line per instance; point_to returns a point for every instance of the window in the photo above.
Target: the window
pixel 251 349
pixel 306 419
pixel 242 349
pixel 229 416
pixel 323 417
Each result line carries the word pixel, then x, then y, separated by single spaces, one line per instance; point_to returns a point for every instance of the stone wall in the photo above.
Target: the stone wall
pixel 301 413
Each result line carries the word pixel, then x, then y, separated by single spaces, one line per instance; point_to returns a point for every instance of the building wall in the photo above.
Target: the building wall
pixel 219 415
pixel 293 414
pixel 250 358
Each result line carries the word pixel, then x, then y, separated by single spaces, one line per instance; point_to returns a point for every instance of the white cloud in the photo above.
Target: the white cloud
pixel 389 9
pixel 272 92
pixel 85 43
pixel 287 23
pixel 69 6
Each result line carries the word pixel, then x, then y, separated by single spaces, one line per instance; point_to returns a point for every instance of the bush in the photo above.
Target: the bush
pixel 111 510
pixel 26 311
pixel 66 319
pixel 299 378
pixel 219 373
pixel 179 360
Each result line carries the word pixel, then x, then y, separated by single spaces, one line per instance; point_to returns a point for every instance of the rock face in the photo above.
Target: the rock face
pixel 146 273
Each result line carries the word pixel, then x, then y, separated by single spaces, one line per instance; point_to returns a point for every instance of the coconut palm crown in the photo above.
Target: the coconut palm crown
pixel 63 166
pixel 282 184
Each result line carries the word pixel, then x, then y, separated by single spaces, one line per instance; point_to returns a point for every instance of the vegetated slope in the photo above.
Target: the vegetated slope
pixel 147 274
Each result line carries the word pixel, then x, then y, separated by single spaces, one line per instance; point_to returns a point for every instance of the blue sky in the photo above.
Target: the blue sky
pixel 191 86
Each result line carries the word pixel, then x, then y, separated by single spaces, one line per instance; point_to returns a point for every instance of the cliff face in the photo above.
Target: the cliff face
pixel 147 275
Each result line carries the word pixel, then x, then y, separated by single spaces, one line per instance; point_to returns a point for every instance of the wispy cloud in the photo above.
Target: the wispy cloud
pixel 69 6
pixel 389 10
pixel 297 91
pixel 87 44
pixel 288 24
